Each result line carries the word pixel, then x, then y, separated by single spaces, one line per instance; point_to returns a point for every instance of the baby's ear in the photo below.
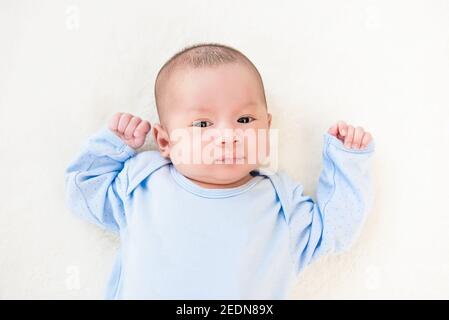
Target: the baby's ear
pixel 162 139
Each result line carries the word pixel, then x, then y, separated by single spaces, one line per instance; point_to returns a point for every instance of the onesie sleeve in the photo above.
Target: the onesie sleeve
pixel 344 195
pixel 97 179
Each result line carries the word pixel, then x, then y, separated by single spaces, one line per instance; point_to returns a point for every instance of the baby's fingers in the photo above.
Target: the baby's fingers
pixel 114 121
pixel 123 122
pixel 339 130
pixel 342 128
pixel 358 135
pixel 366 140
pixel 349 136
pixel 132 125
pixel 142 129
pixel 333 130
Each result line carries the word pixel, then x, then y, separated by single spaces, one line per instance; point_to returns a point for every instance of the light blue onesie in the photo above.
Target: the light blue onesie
pixel 182 241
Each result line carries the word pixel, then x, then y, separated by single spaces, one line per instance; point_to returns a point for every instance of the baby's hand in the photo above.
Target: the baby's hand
pixel 355 138
pixel 132 130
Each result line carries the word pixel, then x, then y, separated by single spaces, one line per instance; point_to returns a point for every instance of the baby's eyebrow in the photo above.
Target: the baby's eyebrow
pixel 198 110
pixel 205 109
pixel 250 103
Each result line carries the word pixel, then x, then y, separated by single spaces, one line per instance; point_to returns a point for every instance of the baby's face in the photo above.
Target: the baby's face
pixel 215 123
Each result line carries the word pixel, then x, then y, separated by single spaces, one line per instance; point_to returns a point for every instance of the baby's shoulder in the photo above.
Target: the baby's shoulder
pixel 142 165
pixel 286 188
pixel 280 179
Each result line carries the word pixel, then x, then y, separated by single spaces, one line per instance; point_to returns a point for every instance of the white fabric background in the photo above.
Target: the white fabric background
pixel 66 66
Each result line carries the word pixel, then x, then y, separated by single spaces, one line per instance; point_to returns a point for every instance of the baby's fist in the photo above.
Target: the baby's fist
pixel 352 137
pixel 131 129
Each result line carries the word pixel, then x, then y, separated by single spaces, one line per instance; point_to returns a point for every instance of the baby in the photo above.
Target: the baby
pixel 201 218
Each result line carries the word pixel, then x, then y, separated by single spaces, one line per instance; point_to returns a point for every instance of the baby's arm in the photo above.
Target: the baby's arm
pixel 96 180
pixel 344 195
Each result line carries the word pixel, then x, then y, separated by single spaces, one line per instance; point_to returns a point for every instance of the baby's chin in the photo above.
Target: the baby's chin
pixel 219 174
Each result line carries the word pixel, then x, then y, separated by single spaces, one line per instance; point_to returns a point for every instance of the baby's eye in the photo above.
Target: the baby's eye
pixel 245 119
pixel 201 123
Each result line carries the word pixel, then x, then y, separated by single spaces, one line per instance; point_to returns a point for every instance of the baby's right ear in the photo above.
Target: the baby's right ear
pixel 162 139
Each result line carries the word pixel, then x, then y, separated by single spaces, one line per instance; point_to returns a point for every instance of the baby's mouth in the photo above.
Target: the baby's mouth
pixel 230 159
pixel 229 156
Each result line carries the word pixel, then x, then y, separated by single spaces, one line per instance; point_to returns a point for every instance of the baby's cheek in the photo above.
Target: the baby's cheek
pixel 202 151
pixel 181 150
pixel 256 148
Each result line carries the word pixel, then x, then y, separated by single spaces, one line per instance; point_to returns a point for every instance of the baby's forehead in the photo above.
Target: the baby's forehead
pixel 231 86
pixel 229 82
pixel 217 78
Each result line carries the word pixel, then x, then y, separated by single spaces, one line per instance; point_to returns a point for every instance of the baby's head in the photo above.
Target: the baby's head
pixel 212 109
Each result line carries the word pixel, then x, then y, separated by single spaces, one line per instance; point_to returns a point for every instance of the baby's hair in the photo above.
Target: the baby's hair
pixel 202 55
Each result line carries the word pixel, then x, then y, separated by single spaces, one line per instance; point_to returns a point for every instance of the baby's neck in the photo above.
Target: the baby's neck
pixel 235 184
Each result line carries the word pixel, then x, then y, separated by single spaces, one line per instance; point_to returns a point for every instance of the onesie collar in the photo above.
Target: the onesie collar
pixel 192 187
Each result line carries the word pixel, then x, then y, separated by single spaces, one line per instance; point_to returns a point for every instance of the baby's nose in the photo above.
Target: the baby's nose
pixel 227 137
